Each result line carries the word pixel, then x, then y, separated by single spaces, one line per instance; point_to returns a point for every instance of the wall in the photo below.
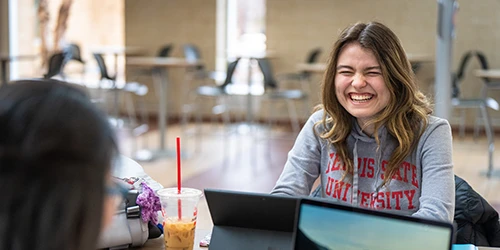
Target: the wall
pixel 161 22
pixel 91 23
pixel 296 26
pixel 4 26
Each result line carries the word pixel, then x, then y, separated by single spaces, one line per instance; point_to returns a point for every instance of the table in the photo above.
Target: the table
pixel 4 59
pixel 161 81
pixel 159 243
pixel 493 75
pixel 117 51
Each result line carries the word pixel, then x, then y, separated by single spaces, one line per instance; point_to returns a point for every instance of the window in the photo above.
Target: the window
pixel 246 38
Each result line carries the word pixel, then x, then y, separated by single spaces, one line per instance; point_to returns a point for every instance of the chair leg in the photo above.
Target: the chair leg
pixel 294 120
pixel 271 122
pixel 490 135
pixel 462 124
pixel 226 121
pixel 477 127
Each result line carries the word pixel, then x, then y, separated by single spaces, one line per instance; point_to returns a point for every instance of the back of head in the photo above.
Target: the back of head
pixel 56 150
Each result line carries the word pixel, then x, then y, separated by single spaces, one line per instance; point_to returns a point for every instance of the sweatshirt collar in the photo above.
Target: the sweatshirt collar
pixel 360 135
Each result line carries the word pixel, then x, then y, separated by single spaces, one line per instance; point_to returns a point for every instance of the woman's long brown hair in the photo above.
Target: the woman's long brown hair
pixel 405 117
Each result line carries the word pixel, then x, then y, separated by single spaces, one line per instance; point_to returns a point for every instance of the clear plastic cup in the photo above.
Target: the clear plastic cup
pixel 179 231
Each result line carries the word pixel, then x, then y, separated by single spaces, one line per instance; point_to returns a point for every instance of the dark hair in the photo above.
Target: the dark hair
pixel 56 151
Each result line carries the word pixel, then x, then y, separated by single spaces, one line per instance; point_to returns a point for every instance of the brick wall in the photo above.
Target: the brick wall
pixel 160 22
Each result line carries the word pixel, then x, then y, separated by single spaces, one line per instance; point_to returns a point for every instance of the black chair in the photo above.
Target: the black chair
pixel 73 53
pixel 192 53
pixel 197 101
pixel 312 57
pixel 272 92
pixel 56 65
pixel 302 77
pixel 481 103
pixel 165 50
pixel 216 91
pixel 133 88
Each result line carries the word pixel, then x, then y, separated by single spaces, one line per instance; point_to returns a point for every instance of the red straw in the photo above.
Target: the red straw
pixel 179 205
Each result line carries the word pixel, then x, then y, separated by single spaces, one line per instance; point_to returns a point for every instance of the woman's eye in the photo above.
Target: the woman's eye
pixel 345 72
pixel 373 73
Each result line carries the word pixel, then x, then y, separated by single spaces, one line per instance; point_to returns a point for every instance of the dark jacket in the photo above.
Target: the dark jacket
pixel 476 220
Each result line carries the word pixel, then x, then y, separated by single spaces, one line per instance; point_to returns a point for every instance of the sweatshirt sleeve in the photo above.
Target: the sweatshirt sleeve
pixel 303 163
pixel 437 200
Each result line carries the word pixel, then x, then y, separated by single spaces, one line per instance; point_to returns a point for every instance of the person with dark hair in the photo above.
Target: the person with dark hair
pixel 373 142
pixel 56 153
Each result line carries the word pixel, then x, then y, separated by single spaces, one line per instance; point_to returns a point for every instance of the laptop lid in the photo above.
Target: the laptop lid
pixel 322 225
pixel 244 220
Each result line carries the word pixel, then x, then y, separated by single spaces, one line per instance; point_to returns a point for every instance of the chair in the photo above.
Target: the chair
pixel 128 89
pixel 303 77
pixel 73 53
pixel 312 57
pixel 192 53
pixel 272 92
pixel 481 103
pixel 219 92
pixel 56 65
pixel 164 51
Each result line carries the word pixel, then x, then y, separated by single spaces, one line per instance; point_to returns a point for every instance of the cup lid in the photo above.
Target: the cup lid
pixel 185 192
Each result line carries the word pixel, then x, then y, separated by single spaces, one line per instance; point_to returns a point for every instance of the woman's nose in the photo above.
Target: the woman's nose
pixel 358 81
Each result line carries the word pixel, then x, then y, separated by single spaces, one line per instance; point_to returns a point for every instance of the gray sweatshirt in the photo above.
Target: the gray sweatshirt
pixel 423 187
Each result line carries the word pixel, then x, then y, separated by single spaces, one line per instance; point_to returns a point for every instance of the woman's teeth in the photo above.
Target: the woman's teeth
pixel 361 98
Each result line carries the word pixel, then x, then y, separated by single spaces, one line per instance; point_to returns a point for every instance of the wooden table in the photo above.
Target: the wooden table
pixel 159 243
pixel 161 80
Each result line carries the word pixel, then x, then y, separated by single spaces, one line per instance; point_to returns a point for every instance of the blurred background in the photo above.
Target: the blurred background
pixel 238 123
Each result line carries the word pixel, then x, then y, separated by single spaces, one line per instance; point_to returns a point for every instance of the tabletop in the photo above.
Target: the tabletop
pixel 161 61
pixel 419 58
pixel 488 73
pixel 4 57
pixel 312 67
pixel 159 243
pixel 114 49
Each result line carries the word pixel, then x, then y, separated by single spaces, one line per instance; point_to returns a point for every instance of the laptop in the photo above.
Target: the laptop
pixel 322 225
pixel 245 220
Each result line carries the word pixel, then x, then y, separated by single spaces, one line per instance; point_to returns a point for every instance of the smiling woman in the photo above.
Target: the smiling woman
pixel 360 86
pixel 373 142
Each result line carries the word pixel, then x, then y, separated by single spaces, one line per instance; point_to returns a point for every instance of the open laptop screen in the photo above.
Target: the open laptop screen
pixel 330 226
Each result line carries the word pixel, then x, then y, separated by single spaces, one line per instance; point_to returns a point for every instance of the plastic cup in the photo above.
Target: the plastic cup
pixel 179 232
